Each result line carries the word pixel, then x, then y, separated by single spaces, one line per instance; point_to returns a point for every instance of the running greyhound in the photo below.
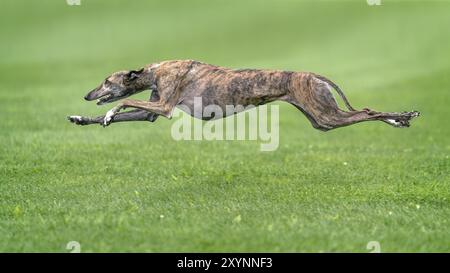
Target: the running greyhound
pixel 177 83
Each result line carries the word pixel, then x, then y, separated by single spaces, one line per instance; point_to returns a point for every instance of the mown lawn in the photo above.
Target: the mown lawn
pixel 131 187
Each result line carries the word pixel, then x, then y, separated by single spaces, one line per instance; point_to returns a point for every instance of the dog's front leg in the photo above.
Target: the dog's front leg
pixel 133 115
pixel 158 107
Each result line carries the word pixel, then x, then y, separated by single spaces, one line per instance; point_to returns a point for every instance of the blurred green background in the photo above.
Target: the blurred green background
pixel 131 187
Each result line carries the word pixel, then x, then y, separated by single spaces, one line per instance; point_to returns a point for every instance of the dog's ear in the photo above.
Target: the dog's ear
pixel 134 74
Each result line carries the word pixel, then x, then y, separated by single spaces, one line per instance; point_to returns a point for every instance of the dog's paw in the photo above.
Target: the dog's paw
pixel 108 118
pixel 79 120
pixel 414 114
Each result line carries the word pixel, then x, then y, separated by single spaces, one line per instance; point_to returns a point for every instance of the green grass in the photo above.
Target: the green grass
pixel 131 187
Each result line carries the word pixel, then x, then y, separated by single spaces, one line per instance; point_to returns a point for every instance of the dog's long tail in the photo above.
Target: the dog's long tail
pixel 338 90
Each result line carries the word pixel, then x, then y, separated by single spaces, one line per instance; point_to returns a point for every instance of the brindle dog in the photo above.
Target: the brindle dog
pixel 177 83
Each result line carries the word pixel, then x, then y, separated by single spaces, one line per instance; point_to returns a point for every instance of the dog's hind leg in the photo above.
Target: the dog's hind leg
pixel 399 120
pixel 133 115
pixel 344 118
pixel 317 102
pixel 314 99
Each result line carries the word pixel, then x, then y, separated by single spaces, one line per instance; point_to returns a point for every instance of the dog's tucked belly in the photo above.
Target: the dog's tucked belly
pixel 221 90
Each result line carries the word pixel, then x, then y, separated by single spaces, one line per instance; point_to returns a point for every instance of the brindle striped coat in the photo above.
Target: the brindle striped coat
pixel 177 83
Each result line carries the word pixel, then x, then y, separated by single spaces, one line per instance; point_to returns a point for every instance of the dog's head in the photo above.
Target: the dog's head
pixel 119 85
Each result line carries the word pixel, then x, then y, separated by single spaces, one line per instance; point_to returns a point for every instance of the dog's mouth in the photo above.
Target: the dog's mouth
pixel 107 99
pixel 107 96
pixel 104 99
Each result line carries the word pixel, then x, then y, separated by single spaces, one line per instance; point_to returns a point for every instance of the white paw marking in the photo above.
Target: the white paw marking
pixel 77 118
pixel 108 117
pixel 393 122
